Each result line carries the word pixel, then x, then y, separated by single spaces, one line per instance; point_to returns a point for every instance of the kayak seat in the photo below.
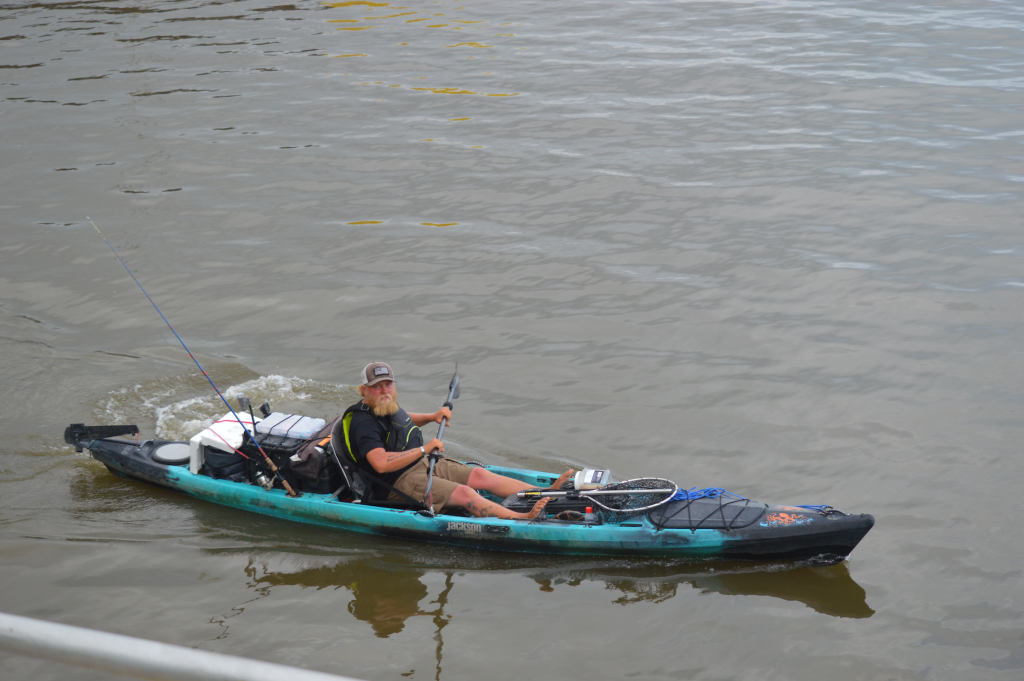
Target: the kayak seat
pixel 354 484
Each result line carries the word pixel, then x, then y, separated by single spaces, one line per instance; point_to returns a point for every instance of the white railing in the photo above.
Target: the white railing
pixel 138 657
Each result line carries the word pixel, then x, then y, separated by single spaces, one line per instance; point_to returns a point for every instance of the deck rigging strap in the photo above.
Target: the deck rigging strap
pixel 267 459
pixel 696 518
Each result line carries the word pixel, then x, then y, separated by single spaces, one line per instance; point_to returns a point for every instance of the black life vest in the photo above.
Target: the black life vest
pixel 402 433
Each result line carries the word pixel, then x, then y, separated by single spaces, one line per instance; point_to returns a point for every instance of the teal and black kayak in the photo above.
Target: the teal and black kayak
pixel 726 527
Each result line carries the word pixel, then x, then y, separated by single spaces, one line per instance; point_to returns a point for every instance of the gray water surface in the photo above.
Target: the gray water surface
pixel 776 247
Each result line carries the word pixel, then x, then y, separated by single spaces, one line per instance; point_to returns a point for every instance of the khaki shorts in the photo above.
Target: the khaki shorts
pixel 448 475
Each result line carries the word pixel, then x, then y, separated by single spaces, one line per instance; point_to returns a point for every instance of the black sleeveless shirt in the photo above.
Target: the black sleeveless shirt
pixel 395 433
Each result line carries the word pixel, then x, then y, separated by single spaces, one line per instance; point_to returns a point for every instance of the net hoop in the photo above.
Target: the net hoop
pixel 663 485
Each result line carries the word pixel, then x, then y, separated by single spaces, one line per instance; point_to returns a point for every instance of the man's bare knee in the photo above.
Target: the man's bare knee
pixel 461 496
pixel 479 477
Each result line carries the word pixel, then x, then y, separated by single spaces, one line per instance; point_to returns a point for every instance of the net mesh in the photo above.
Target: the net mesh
pixel 640 495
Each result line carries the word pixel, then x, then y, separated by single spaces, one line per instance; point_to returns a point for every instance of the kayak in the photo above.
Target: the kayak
pixel 719 528
pixel 704 525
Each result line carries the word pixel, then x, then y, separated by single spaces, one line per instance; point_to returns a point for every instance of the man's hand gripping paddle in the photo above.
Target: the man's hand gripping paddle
pixel 453 394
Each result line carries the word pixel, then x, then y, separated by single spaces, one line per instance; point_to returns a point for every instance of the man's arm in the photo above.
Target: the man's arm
pixel 421 420
pixel 388 462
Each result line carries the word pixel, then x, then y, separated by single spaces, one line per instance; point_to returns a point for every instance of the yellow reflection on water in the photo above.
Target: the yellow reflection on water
pixel 367 3
pixel 446 90
pixel 439 224
pixel 458 119
pixel 381 21
pixel 459 91
pixel 366 222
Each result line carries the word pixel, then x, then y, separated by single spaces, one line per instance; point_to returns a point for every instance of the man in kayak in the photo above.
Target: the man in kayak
pixel 385 441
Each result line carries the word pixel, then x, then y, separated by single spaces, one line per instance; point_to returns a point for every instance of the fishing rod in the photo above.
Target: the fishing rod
pixel 266 458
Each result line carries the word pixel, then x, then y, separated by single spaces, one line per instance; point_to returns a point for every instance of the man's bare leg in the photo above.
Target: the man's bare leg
pixel 468 498
pixel 499 485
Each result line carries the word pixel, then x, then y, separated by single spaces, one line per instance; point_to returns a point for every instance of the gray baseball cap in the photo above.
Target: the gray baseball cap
pixel 375 372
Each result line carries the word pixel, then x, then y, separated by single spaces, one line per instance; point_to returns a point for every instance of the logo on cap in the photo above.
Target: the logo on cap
pixel 375 372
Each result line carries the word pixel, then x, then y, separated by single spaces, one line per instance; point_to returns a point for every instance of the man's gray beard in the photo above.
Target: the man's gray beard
pixel 385 408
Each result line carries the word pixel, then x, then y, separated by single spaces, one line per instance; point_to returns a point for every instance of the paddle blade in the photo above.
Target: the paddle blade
pixel 453 387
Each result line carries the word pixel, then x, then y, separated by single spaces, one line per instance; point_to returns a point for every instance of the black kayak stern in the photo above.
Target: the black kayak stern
pixel 76 433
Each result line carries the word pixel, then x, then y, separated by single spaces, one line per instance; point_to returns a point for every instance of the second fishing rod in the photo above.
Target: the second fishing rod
pixel 275 473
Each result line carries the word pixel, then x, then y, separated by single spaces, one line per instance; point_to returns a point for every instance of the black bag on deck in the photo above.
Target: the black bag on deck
pixel 309 460
pixel 225 465
pixel 279 449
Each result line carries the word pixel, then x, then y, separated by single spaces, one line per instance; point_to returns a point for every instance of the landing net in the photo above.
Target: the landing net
pixel 617 507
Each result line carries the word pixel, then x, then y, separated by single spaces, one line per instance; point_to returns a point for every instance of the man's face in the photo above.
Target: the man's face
pixel 382 398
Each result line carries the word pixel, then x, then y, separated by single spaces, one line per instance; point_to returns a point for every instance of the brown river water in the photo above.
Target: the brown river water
pixel 772 246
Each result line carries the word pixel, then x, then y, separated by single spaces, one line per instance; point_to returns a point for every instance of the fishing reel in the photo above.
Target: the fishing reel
pixel 263 481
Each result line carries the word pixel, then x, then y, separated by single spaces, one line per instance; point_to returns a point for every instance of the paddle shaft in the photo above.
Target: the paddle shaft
pixel 444 421
pixel 453 393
